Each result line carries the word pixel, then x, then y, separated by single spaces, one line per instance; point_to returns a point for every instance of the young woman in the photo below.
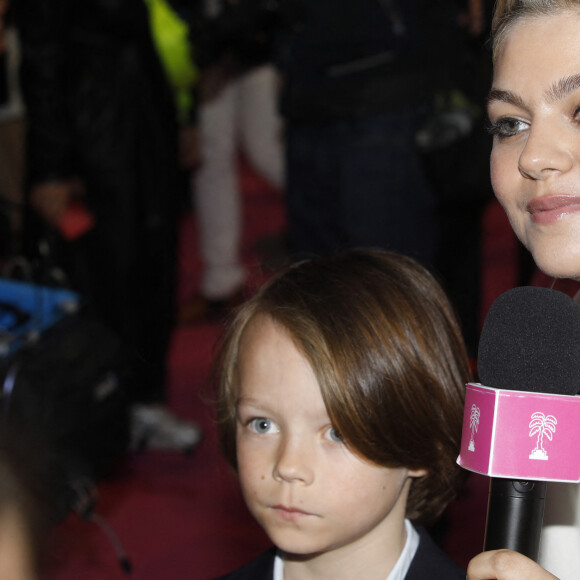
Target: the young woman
pixel 534 111
pixel 340 405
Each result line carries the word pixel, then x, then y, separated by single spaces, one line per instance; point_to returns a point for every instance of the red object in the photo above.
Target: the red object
pixel 76 221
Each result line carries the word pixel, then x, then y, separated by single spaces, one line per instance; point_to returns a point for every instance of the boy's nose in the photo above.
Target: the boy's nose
pixel 294 462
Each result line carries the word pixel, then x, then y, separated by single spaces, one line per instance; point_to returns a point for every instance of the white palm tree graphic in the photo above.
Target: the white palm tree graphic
pixel 542 426
pixel 473 425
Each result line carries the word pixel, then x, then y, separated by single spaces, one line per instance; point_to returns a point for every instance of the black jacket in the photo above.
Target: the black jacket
pixel 100 108
pixel 429 563
pixel 343 59
pixel 99 104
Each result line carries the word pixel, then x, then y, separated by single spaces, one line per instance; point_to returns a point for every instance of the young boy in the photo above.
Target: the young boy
pixel 340 404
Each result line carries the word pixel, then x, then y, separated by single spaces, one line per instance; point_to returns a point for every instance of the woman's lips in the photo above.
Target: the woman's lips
pixel 551 208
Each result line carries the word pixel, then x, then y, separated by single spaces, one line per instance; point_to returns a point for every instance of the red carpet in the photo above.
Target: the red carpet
pixel 182 517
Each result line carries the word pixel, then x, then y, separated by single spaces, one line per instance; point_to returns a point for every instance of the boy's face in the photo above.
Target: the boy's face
pixel 310 493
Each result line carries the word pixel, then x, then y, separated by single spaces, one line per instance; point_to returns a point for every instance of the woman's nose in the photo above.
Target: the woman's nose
pixel 547 151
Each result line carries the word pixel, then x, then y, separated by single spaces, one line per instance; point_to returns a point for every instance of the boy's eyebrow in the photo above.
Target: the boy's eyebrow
pixel 249 401
pixel 252 405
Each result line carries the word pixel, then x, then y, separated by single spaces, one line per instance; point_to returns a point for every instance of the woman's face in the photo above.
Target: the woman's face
pixel 534 109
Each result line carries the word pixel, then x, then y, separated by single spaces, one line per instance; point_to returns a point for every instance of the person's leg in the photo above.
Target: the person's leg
pixel 359 183
pixel 216 197
pixel 12 142
pixel 261 124
pixel 386 199
pixel 126 265
pixel 312 184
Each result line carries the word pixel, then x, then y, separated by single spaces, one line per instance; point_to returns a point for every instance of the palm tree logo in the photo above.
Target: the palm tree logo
pixel 542 426
pixel 473 425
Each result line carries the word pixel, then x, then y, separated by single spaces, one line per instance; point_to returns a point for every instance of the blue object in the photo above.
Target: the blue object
pixel 27 310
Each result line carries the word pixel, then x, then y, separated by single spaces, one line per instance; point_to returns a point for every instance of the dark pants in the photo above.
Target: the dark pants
pixel 360 182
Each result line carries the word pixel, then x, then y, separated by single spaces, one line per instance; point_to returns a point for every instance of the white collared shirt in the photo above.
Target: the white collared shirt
pixel 397 573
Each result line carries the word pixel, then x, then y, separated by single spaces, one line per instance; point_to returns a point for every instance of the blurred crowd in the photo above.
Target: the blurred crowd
pixel 117 117
pixel 373 134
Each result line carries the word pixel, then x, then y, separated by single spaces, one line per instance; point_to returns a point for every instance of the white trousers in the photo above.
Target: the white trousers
pixel 243 114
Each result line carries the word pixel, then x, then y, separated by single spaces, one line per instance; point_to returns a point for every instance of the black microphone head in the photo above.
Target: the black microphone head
pixel 530 341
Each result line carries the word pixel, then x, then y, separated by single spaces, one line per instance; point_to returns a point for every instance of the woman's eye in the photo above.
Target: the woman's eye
pixel 262 425
pixel 334 435
pixel 507 127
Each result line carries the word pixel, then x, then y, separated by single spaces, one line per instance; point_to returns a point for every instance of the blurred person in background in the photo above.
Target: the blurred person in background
pixel 102 133
pixel 237 112
pixel 12 134
pixel 356 80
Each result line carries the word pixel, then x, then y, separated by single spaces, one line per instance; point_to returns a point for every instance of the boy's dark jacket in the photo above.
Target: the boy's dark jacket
pixel 429 563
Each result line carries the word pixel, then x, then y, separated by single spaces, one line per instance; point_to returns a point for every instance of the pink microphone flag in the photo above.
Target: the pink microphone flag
pixel 520 434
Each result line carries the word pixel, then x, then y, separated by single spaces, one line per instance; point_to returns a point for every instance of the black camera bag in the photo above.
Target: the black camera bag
pixel 66 388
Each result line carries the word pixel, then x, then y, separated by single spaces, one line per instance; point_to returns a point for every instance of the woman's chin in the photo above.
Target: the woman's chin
pixel 564 265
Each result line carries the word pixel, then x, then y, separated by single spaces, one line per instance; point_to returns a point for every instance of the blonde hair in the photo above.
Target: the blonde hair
pixel 386 349
pixel 508 12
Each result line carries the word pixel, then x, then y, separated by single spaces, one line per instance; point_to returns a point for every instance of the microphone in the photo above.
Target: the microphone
pixel 530 341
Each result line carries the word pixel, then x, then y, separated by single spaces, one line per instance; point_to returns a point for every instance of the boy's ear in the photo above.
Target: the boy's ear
pixel 417 472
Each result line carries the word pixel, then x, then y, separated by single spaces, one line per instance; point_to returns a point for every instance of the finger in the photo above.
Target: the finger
pixel 505 565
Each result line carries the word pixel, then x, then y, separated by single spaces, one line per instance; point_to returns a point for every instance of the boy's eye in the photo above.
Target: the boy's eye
pixel 262 425
pixel 334 435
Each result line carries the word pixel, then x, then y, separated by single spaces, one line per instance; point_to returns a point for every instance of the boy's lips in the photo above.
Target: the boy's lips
pixel 551 208
pixel 290 512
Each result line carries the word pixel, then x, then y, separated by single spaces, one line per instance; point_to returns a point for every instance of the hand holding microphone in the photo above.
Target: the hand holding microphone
pixel 505 565
pixel 519 421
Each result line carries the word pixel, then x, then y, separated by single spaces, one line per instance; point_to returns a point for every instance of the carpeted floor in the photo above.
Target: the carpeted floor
pixel 182 517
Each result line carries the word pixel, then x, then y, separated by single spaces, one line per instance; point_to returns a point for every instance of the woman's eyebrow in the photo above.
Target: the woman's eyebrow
pixel 505 97
pixel 556 92
pixel 562 88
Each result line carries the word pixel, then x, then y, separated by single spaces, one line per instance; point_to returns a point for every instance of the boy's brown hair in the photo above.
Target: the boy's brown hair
pixel 383 342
